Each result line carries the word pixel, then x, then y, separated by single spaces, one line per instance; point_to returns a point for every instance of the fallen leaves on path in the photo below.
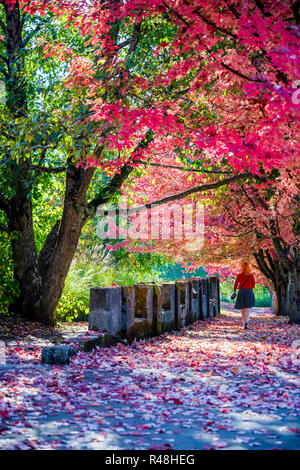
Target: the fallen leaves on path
pixel 213 379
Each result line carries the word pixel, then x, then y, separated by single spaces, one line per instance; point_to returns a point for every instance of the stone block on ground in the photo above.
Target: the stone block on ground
pixel 105 310
pixel 102 340
pixel 168 320
pixel 57 355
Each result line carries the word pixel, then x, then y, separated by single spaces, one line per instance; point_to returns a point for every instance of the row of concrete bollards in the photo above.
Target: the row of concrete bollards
pixel 141 311
pixel 146 310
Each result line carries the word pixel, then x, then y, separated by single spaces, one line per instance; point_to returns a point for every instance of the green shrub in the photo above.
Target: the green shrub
pixel 74 302
pixel 262 295
pixel 71 309
pixel 89 270
pixel 8 287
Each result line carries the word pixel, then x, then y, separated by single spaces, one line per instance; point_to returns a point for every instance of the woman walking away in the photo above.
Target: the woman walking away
pixel 245 300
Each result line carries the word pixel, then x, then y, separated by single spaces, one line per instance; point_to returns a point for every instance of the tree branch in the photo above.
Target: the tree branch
pixel 198 189
pixel 135 37
pixel 124 43
pixel 44 169
pixel 281 252
pixel 133 40
pixel 225 66
pixel 210 22
pixel 33 33
pixel 240 74
pixel 233 10
pixel 296 7
pixel 260 258
pixel 261 7
pixel 176 167
pixel 48 249
pixel 188 192
pixel 117 180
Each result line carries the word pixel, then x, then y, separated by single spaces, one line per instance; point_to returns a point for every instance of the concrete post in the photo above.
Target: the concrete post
pixel 143 311
pixel 168 307
pixel 204 299
pixel 157 310
pixel 190 316
pixel 182 304
pixel 214 295
pixel 219 297
pixel 127 312
pixel 196 298
pixel 211 309
pixel 105 310
pixel 147 310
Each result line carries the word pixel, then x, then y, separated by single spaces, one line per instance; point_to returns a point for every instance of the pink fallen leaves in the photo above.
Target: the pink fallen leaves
pixel 155 389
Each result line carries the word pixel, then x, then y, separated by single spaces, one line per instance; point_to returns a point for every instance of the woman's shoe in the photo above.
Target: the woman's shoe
pixel 246 326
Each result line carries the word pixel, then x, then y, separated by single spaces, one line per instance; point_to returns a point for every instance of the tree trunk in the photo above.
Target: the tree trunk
pixel 273 296
pixel 284 279
pixel 282 299
pixel 41 278
pixel 293 293
pixel 26 271
pixel 56 262
pixel 279 298
pixel 277 277
pixel 15 81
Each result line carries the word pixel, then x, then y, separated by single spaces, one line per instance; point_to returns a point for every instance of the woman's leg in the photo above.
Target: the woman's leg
pixel 243 315
pixel 247 314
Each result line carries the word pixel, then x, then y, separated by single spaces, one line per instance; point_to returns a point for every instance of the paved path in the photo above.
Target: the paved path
pixel 210 386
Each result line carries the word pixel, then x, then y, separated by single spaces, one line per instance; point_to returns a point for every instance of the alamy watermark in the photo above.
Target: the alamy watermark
pixel 154 222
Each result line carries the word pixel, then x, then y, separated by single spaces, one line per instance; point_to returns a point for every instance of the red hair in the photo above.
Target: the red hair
pixel 245 268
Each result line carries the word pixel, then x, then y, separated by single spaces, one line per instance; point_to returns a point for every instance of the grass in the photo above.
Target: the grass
pixel 84 275
pixel 262 295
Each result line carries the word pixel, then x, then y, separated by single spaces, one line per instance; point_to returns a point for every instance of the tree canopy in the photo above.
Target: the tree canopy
pixel 158 101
